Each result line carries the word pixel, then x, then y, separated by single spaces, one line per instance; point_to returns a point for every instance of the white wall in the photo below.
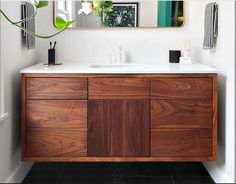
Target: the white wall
pixel 142 45
pixel 1 79
pixel 15 57
pixel 223 58
pixel 152 45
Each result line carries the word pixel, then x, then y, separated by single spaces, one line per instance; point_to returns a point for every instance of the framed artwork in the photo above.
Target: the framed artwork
pixel 122 15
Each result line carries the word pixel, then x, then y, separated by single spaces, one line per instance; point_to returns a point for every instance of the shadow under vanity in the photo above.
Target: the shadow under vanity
pixel 119 117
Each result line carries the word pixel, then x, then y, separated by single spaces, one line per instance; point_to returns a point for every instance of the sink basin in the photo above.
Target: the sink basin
pixel 125 65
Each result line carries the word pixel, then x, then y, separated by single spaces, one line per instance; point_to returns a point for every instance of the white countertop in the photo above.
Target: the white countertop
pixel 78 68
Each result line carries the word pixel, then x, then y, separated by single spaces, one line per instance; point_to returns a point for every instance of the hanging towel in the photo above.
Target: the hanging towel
pixel 211 26
pixel 28 10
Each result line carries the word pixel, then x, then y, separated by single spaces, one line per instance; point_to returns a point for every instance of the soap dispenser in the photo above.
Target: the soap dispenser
pixel 186 52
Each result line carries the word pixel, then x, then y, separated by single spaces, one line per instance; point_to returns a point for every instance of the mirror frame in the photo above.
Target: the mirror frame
pixel 105 28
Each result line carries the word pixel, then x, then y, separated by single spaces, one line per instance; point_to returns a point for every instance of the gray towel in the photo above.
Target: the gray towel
pixel 28 10
pixel 211 26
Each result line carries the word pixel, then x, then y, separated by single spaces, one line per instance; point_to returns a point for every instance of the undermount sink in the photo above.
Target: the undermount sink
pixel 125 65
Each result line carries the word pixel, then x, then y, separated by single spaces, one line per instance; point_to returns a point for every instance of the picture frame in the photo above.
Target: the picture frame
pixel 124 14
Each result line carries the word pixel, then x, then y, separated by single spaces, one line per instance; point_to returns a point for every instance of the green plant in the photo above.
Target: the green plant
pixel 60 23
pixel 102 7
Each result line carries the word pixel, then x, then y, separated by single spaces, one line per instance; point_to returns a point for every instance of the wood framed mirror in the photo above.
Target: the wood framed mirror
pixel 121 13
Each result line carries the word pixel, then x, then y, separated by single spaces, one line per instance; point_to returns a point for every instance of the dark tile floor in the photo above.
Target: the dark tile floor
pixel 120 173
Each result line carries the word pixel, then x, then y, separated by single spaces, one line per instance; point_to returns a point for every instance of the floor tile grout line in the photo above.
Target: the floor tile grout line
pixel 57 180
pixel 115 169
pixel 172 179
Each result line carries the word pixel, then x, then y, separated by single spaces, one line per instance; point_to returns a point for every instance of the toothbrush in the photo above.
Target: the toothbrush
pixel 54 45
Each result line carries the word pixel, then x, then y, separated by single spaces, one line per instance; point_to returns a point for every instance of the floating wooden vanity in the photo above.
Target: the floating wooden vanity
pixel 119 117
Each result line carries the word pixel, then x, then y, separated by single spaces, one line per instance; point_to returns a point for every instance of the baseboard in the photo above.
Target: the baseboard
pixel 19 174
pixel 216 173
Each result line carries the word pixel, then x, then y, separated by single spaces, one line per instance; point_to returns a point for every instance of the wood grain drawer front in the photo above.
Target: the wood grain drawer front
pixel 57 114
pixel 181 88
pixel 55 143
pixel 118 88
pixel 118 128
pixel 56 88
pixel 181 114
pixel 181 143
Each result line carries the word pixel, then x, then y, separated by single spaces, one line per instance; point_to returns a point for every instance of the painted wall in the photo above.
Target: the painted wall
pixel 15 57
pixel 223 58
pixel 2 111
pixel 152 45
pixel 142 45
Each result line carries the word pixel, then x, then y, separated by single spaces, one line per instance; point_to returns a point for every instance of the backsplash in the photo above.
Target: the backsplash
pixel 141 45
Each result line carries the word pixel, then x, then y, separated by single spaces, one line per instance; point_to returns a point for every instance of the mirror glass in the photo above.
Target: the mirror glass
pixel 118 13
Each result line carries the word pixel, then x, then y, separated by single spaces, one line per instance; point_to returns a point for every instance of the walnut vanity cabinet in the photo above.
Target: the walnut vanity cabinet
pixel 119 117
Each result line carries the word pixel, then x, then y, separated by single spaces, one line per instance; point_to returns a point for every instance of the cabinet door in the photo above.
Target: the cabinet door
pixel 118 128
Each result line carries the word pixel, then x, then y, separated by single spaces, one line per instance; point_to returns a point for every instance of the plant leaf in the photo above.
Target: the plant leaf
pixel 70 22
pixel 60 23
pixel 41 4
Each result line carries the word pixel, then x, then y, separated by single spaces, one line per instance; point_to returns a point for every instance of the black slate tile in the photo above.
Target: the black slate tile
pixel 89 169
pixel 47 165
pixel 119 173
pixel 40 179
pixel 88 164
pixel 188 169
pixel 75 169
pixel 142 169
pixel 145 180
pixel 85 180
pixel 46 172
pixel 193 180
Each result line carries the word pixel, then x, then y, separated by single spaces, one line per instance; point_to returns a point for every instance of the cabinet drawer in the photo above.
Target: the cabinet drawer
pixel 57 114
pixel 181 114
pixel 181 143
pixel 44 143
pixel 181 88
pixel 119 88
pixel 56 88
